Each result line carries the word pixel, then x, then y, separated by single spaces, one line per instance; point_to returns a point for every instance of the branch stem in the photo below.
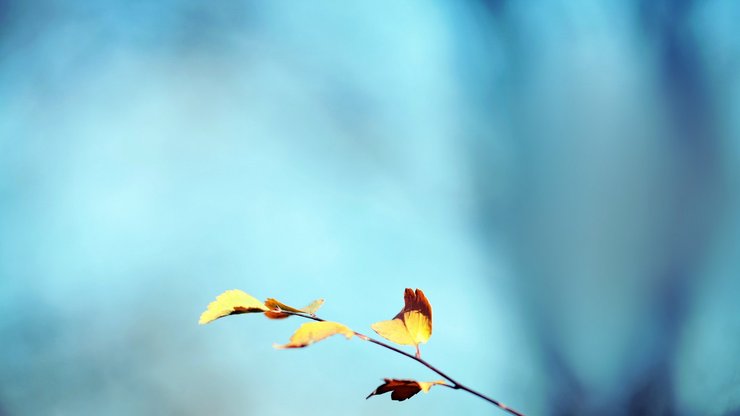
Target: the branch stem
pixel 456 385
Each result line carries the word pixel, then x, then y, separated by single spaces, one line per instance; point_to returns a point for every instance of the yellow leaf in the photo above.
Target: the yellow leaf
pixel 394 330
pixel 418 325
pixel 312 332
pixel 231 302
pixel 411 326
pixel 403 389
pixel 275 307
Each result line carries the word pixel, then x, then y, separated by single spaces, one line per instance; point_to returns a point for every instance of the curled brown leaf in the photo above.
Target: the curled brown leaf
pixel 403 389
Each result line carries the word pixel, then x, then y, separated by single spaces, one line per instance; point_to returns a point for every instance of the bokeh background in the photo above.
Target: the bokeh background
pixel 560 177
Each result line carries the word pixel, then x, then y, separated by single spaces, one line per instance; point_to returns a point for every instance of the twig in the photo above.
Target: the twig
pixel 456 385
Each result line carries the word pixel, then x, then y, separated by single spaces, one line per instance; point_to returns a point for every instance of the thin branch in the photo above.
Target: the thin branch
pixel 456 385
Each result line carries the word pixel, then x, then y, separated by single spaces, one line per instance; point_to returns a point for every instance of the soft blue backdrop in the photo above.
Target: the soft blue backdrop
pixel 560 178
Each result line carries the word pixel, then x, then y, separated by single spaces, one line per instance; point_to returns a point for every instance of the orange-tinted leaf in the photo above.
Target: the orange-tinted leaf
pixel 411 326
pixel 275 304
pixel 231 302
pixel 276 315
pixel 403 389
pixel 415 301
pixel 312 332
pixel 275 307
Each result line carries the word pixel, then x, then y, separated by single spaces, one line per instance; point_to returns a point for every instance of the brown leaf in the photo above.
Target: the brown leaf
pixel 416 301
pixel 403 389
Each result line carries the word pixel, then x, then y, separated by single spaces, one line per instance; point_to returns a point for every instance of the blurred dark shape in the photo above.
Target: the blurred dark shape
pixel 683 214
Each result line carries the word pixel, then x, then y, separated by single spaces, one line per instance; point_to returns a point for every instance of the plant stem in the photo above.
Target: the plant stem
pixel 456 385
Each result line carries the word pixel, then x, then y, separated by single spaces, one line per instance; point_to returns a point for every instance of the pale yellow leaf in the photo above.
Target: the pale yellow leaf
pixel 313 307
pixel 231 302
pixel 418 326
pixel 394 330
pixel 426 385
pixel 312 332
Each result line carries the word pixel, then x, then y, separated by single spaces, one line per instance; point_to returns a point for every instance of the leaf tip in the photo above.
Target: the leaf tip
pixel 281 346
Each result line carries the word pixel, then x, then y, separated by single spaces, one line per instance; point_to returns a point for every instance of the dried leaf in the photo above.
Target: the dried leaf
pixel 411 326
pixel 276 307
pixel 403 389
pixel 231 302
pixel 312 332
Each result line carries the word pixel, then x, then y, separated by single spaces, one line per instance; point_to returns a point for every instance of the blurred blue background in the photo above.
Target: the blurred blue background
pixel 561 178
